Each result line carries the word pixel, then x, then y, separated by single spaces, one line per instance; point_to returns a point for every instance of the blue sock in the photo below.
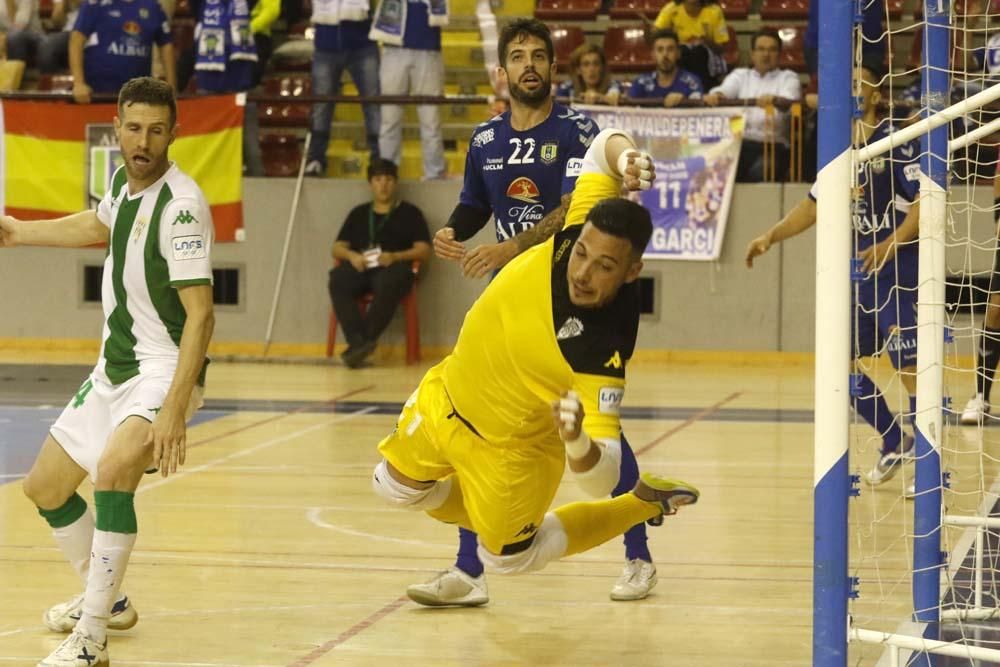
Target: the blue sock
pixel 468 560
pixel 635 537
pixel 871 406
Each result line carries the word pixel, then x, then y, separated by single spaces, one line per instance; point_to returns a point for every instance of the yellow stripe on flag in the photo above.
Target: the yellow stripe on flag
pixel 56 181
pixel 212 160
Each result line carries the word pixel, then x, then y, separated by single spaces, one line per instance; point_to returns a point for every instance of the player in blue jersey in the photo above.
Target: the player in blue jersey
pixel 673 84
pixel 521 168
pixel 885 220
pixel 112 42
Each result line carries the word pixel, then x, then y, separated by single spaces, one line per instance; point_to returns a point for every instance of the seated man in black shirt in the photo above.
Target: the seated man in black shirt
pixel 374 252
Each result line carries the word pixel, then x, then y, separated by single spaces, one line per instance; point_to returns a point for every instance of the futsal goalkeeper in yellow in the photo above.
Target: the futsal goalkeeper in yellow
pixel 537 378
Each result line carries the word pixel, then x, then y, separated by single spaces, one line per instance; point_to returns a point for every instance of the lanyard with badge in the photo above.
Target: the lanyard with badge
pixel 373 251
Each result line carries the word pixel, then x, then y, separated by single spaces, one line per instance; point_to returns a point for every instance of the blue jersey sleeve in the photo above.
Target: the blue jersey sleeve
pixel 87 18
pixel 474 192
pixel 638 88
pixel 579 138
pixel 906 166
pixel 162 35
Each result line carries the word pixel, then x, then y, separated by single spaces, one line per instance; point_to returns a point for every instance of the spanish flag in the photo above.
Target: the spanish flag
pixel 57 157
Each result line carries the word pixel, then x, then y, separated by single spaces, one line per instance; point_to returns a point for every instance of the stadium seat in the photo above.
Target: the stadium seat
pixel 895 9
pixel 567 10
pixel 281 153
pixel 56 82
pixel 792 51
pixel 735 10
pixel 44 9
pixel 565 38
pixel 409 305
pixel 182 31
pixel 731 52
pixel 627 50
pixel 784 10
pixel 286 114
pixel 633 9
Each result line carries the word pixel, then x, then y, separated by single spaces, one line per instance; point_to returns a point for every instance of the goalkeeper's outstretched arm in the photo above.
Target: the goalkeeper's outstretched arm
pixel 799 219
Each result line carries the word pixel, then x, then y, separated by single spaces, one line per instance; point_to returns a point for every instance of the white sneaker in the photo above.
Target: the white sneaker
pixel 315 168
pixel 451 588
pixel 889 464
pixel 63 617
pixel 975 411
pixel 78 650
pixel 638 578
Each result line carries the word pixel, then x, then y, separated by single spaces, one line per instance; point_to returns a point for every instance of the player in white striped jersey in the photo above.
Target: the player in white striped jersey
pixel 131 413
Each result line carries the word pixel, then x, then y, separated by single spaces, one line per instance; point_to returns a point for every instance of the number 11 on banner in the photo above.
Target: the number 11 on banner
pixel 674 188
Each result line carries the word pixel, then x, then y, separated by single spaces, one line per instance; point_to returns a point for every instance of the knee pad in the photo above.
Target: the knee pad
pixel 600 480
pixel 549 545
pixel 400 495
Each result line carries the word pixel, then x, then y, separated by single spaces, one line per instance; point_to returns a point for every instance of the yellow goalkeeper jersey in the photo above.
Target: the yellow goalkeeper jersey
pixel 523 342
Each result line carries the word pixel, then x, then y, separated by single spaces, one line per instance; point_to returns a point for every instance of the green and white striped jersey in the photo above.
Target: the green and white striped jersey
pixel 161 239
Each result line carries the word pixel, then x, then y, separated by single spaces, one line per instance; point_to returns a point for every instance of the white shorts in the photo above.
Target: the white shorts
pixel 85 426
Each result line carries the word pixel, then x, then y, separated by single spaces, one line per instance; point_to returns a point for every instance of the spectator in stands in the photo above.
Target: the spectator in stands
pixel 19 20
pixel 342 42
pixel 53 50
pixel 262 17
pixel 701 27
pixel 589 81
pixel 411 64
pixel 374 252
pixel 763 85
pixel 673 84
pixel 112 42
pixel 226 62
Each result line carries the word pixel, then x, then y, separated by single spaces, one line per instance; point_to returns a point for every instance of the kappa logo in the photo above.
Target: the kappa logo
pixel 184 218
pixel 615 361
pixel 527 530
pixel 524 189
pixel 571 328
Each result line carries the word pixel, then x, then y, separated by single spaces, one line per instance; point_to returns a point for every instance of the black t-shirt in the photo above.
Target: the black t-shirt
pixel 591 339
pixel 393 232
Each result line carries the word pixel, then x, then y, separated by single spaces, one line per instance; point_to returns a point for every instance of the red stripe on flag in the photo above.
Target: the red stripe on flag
pixel 64 121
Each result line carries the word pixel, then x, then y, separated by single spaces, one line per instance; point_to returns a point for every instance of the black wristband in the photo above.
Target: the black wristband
pixel 467 221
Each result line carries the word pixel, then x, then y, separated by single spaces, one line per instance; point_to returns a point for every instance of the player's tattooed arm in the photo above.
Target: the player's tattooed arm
pixel 547 226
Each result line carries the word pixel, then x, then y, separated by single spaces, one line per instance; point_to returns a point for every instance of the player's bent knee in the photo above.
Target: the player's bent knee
pixel 601 480
pixel 396 493
pixel 546 545
pixel 43 494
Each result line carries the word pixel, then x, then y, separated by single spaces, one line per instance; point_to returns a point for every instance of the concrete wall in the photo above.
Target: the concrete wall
pixel 699 305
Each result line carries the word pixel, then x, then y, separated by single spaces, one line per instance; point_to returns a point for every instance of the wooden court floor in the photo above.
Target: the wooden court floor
pixel 269 549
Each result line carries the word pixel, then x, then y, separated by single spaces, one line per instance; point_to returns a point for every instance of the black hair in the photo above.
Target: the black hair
pixel 663 33
pixel 147 90
pixel 625 219
pixel 520 29
pixel 766 32
pixel 382 167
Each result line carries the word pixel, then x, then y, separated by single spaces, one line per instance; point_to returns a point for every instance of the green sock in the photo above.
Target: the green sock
pixel 63 516
pixel 115 511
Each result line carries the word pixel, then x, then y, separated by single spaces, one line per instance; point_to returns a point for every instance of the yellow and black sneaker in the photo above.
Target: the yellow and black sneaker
pixel 669 494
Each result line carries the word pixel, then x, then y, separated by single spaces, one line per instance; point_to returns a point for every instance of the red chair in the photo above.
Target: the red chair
pixel 784 10
pixel 182 32
pixel 633 9
pixel 278 114
pixel 627 50
pixel 566 38
pixel 281 154
pixel 735 10
pixel 44 9
pixel 895 9
pixel 567 10
pixel 183 9
pixel 409 304
pixel 60 83
pixel 731 51
pixel 793 55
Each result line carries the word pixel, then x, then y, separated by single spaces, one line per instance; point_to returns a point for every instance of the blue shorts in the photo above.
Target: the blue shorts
pixel 885 320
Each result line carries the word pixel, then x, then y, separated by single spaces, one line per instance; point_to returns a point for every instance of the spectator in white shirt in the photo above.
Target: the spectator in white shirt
pixel 764 85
